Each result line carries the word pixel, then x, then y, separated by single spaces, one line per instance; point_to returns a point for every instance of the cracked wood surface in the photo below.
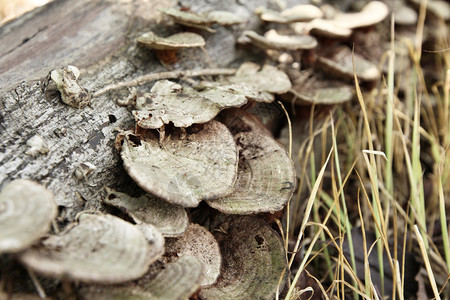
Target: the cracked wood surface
pixel 99 38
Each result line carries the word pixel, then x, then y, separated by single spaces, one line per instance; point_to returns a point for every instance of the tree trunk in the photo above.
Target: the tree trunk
pixel 99 38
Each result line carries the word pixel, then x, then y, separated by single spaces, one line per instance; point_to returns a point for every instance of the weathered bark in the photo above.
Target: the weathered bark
pixel 99 38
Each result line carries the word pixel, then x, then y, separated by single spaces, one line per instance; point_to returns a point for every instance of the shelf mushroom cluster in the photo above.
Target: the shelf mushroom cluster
pixel 194 143
pixel 309 37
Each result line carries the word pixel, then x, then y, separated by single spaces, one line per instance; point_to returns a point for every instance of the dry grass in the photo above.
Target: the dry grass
pixel 392 149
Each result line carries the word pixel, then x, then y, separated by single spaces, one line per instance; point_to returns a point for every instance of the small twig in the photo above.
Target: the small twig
pixel 164 75
pixel 36 284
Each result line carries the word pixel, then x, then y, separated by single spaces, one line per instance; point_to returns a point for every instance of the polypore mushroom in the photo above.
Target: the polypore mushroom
pixel 166 48
pixel 180 170
pixel 197 241
pixel 26 212
pixel 65 81
pixel 266 177
pixel 268 79
pixel 239 120
pixel 273 40
pixel 203 20
pixel 340 65
pixel 323 28
pixel 372 13
pixel 170 220
pixel 183 106
pixel 298 13
pixel 311 89
pixel 253 260
pixel 249 92
pixel 171 281
pixel 100 249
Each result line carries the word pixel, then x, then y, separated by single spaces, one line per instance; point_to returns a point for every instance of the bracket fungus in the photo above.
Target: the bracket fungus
pixel 37 146
pixel 180 170
pixel 253 260
pixel 311 89
pixel 273 40
pixel 26 212
pixel 166 48
pixel 297 13
pixel 340 65
pixel 100 249
pixel 65 81
pixel 372 13
pixel 173 42
pixel 203 20
pixel 169 219
pixel 266 177
pixel 240 120
pixel 183 106
pixel 172 281
pixel 268 78
pixel 197 241
pixel 323 28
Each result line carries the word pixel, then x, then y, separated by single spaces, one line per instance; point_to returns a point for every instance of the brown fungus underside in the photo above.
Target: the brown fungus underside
pixel 180 171
pixel 169 219
pixel 253 260
pixel 266 177
pixel 99 249
pixel 26 212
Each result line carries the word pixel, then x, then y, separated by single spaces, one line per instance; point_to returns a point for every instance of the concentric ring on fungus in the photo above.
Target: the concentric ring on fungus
pixel 181 171
pixel 26 212
pixel 100 249
pixel 266 177
pixel 171 281
pixel 183 106
pixel 253 260
pixel 169 219
pixel 197 241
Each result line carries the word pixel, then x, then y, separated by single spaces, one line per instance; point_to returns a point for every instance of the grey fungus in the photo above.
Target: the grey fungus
pixel 65 80
pixel 38 145
pixel 253 260
pixel 169 219
pixel 340 65
pixel 323 28
pixel 173 42
pixel 180 170
pixel 171 281
pixel 309 89
pixel 240 120
pixel 197 241
pixel 268 78
pixel 266 177
pixel 98 249
pixel 183 106
pixel 273 40
pixel 372 13
pixel 203 20
pixel 249 92
pixel 26 212
pixel 297 13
